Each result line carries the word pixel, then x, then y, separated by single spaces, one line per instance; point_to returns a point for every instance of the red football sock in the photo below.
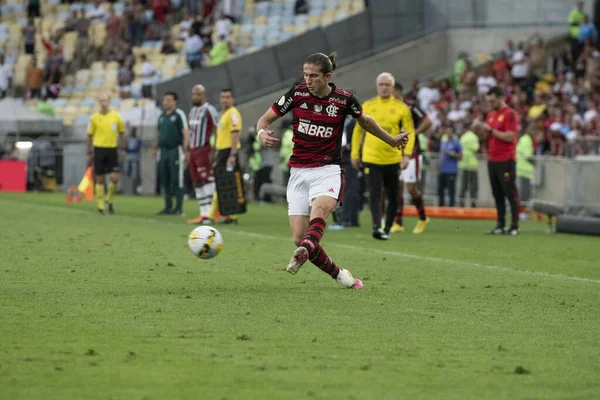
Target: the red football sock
pixel 316 254
pixel 322 261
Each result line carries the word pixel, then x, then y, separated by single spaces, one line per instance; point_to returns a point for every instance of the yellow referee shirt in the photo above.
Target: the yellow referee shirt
pixel 394 117
pixel 230 121
pixel 105 128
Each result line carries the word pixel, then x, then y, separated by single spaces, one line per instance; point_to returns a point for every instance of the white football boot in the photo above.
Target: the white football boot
pixel 298 259
pixel 346 279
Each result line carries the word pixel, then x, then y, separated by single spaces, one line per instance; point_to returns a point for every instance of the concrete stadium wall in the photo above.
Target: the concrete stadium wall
pixel 460 13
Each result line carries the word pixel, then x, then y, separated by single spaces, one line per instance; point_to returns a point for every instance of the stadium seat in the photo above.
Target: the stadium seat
pixel 87 102
pixel 115 102
pixel 358 6
pixel 314 21
pixel 260 20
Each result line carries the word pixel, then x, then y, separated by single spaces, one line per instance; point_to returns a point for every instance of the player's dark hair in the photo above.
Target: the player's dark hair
pixel 496 91
pixel 326 63
pixel 227 90
pixel 398 86
pixel 172 94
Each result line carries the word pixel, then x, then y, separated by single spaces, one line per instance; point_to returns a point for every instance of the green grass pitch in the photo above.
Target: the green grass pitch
pixel 116 307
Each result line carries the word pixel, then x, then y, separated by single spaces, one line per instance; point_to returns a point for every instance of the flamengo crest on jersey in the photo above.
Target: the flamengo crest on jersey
pixel 318 124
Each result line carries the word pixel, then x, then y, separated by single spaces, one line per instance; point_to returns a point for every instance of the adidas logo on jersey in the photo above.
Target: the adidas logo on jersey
pixel 304 106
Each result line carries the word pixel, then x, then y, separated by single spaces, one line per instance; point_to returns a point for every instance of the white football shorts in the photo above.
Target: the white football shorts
pixel 412 174
pixel 306 184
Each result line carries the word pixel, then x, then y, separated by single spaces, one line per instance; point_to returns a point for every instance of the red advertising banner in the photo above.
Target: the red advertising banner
pixel 13 176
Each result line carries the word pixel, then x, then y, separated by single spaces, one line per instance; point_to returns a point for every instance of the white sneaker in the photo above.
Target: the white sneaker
pixel 346 279
pixel 298 259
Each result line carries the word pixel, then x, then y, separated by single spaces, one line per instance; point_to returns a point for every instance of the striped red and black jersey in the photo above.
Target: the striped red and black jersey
pixel 318 124
pixel 418 115
pixel 203 121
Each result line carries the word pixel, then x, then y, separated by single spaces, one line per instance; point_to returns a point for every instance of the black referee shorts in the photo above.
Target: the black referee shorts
pixel 222 156
pixel 106 160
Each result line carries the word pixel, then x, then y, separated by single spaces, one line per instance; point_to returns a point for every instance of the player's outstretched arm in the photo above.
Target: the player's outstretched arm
pixel 371 126
pixel 264 134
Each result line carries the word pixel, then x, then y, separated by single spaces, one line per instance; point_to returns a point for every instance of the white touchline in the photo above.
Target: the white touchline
pixel 342 246
pixel 436 259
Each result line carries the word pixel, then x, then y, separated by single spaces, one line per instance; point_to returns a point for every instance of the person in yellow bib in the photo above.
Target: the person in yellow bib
pixel 469 165
pixel 227 146
pixel 105 132
pixel 381 162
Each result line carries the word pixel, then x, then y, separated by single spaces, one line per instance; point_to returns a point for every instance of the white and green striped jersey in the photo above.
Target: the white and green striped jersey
pixel 203 123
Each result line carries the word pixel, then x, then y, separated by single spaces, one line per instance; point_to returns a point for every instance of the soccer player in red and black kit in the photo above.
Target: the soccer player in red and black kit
pixel 412 174
pixel 203 120
pixel 501 128
pixel 316 179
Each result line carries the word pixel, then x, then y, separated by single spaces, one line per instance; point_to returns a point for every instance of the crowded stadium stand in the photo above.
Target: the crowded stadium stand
pixel 87 48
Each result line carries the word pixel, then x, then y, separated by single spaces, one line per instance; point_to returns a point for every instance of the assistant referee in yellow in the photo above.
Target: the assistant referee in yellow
pixel 381 162
pixel 105 131
pixel 227 146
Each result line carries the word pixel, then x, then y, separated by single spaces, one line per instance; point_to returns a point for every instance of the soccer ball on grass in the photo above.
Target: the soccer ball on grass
pixel 205 242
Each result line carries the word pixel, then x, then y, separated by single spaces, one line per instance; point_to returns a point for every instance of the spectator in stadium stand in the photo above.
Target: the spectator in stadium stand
pixel 520 65
pixel 207 31
pixel 575 19
pixel 96 13
pixel 223 27
pixel 133 19
pixel 450 154
pixel 29 32
pixel 219 54
pixel 33 8
pixel 501 128
pixel 587 31
pixel 428 95
pixel 34 80
pixel 193 50
pixel 168 47
pixel 486 80
pixel 301 7
pixel 114 29
pixel 209 8
pixel 82 45
pixel 185 26
pixel 459 69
